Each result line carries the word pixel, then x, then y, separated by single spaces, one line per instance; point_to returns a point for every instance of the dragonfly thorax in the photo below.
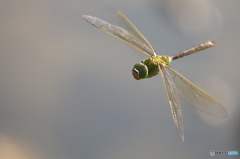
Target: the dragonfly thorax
pixel 149 67
pixel 164 60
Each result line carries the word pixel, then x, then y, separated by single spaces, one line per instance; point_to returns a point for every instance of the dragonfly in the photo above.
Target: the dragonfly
pixel 177 86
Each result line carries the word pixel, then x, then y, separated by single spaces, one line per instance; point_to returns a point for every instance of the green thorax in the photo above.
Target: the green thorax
pixel 150 66
pixel 153 63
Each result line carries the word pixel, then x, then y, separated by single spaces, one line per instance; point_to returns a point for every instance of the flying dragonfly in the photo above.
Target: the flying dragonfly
pixel 175 84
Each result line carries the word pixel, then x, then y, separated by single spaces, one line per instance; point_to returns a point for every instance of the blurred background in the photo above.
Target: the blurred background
pixel 66 88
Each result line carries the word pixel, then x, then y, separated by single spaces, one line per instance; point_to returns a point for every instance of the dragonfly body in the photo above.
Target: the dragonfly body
pixel 175 84
pixel 152 65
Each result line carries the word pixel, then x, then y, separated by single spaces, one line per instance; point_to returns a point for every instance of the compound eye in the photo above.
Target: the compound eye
pixel 140 71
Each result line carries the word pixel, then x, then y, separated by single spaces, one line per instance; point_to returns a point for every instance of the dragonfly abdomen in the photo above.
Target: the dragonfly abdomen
pixel 193 49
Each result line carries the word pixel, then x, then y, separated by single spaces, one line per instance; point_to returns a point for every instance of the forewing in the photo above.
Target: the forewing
pixel 122 34
pixel 128 25
pixel 173 99
pixel 195 96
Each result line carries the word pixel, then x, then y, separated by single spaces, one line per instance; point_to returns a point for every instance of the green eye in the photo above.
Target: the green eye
pixel 140 71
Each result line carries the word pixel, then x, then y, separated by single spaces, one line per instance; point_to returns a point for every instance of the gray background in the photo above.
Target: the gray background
pixel 66 88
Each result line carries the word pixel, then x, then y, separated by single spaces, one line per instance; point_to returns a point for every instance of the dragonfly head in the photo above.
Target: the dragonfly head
pixel 140 71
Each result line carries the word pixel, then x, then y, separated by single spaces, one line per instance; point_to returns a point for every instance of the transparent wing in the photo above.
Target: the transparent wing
pixel 173 99
pixel 195 96
pixel 137 41
pixel 128 25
